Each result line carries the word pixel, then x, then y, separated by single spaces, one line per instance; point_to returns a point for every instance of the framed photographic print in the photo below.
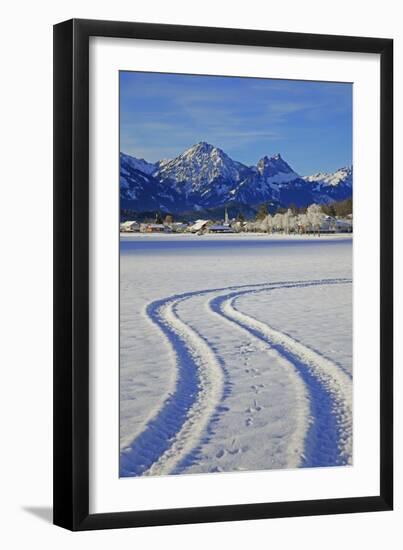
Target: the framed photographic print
pixel 223 274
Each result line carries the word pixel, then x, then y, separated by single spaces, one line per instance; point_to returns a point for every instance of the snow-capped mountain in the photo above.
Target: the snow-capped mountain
pixel 333 186
pixel 203 172
pixel 205 177
pixel 343 175
pixel 275 170
pixel 142 192
pixel 138 164
pixel 272 179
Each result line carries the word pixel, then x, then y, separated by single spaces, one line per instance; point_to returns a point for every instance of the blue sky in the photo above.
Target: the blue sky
pixel 309 123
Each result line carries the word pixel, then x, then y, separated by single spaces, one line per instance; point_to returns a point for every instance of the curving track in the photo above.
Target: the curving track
pixel 184 425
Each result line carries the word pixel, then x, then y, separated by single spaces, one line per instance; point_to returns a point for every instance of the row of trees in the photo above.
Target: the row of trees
pixel 339 209
pixel 287 221
pixel 335 209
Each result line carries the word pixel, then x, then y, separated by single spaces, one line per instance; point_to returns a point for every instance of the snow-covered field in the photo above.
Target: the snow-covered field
pixel 235 353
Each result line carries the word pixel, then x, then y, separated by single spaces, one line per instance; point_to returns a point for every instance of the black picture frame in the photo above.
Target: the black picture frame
pixel 71 274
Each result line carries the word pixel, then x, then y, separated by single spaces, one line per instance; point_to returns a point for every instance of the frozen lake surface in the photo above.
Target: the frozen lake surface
pixel 236 353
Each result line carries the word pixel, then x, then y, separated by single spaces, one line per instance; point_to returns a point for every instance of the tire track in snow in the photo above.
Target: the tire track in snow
pixel 296 441
pixel 210 386
pixel 186 412
pixel 178 426
pixel 329 438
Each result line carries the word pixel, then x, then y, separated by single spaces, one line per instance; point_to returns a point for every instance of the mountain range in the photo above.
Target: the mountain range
pixel 204 179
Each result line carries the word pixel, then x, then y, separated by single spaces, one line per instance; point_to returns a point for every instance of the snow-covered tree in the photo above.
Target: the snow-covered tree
pixel 287 218
pixel 252 226
pixel 292 222
pixel 314 215
pixel 278 221
pixel 237 226
pixel 302 223
pixel 267 224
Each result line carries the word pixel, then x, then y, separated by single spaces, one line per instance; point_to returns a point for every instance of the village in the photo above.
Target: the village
pixel 313 221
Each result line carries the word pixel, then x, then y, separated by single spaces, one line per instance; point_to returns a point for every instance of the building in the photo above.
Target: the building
pixel 218 228
pixel 199 226
pixel 129 227
pixel 343 225
pixel 155 228
pixel 327 224
pixel 226 220
pixel 178 227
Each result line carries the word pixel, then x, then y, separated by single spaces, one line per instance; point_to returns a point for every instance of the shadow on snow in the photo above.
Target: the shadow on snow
pixel 321 444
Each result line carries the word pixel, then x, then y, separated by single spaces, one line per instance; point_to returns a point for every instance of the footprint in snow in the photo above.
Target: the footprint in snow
pixel 245 348
pixel 254 408
pixel 236 451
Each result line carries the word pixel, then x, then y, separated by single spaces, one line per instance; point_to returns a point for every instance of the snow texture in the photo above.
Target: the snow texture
pixel 235 353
